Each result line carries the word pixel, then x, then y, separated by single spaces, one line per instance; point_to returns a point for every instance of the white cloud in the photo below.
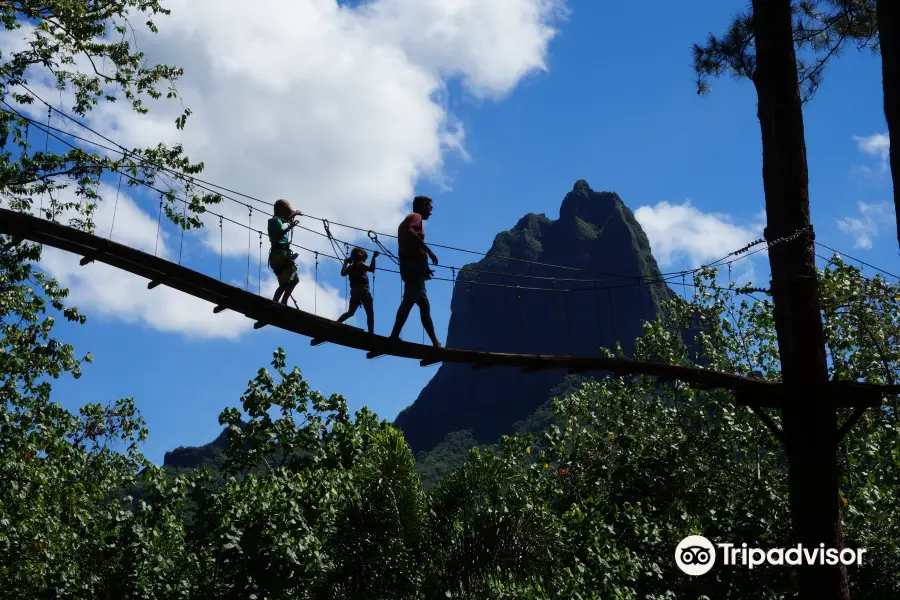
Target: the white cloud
pixel 99 289
pixel 683 232
pixel 877 145
pixel 341 110
pixel 871 220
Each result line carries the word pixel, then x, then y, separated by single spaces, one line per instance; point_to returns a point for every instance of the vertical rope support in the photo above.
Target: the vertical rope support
pixel 519 310
pixel 503 293
pixel 553 297
pixel 46 148
pixel 597 309
pixel 316 289
pixel 183 224
pixel 115 208
pixel 346 279
pixel 221 247
pixel 640 288
pixel 259 269
pixel 566 316
pixel 730 294
pixel 158 222
pixel 249 243
pixel 612 319
pixel 474 310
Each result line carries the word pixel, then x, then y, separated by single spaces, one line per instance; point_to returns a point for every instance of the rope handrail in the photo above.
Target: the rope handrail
pixel 293 244
pixel 750 391
pixel 202 184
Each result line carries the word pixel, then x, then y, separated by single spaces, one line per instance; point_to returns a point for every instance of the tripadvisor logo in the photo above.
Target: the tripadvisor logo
pixel 696 555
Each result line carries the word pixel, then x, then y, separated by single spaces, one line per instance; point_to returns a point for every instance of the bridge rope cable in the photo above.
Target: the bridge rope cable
pixel 612 321
pixel 860 261
pixel 115 208
pixel 649 279
pixel 199 183
pixel 206 211
pixel 548 265
pixel 222 217
pixel 598 313
pixel 158 225
pixel 124 151
pixel 221 247
pixel 250 231
pixel 46 147
pixel 202 184
pixel 384 249
pixel 183 223
pixel 190 179
pixel 345 258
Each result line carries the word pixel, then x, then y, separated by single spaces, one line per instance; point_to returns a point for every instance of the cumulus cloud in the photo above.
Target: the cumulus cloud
pixel 871 220
pixel 682 232
pixel 341 110
pixel 99 289
pixel 877 145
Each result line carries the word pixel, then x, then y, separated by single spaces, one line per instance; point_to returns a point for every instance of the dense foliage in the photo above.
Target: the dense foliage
pixel 316 503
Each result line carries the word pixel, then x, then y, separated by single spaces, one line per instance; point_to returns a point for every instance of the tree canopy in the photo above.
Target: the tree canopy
pixel 314 502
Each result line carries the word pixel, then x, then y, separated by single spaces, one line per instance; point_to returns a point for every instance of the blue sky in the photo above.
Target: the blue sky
pixel 617 106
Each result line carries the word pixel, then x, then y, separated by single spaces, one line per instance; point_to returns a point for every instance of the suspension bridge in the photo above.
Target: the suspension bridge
pixel 752 392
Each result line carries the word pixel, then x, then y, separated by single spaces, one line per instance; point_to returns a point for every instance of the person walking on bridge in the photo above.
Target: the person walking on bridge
pixel 413 256
pixel 281 258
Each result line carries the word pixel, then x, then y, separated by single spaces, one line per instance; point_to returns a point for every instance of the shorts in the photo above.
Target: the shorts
pixel 414 275
pixel 361 296
pixel 284 267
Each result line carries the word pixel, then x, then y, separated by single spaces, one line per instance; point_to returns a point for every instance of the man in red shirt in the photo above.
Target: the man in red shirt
pixel 414 255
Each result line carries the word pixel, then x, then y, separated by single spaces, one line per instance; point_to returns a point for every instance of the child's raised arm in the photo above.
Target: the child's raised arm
pixel 344 268
pixel 372 264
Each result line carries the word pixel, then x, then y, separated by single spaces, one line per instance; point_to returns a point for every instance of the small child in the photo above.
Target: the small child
pixel 357 270
pixel 281 259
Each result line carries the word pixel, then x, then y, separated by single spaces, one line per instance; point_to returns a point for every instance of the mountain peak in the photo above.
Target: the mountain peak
pixel 536 308
pixel 588 205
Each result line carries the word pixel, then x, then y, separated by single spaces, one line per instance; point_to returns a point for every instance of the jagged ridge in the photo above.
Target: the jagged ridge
pixel 595 232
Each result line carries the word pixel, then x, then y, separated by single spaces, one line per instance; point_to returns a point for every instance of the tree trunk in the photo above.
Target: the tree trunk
pixel 888 13
pixel 809 423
